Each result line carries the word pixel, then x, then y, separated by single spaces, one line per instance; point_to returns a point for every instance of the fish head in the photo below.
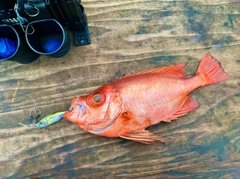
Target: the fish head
pixel 96 111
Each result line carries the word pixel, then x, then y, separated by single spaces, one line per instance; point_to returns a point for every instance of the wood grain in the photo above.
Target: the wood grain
pixel 128 36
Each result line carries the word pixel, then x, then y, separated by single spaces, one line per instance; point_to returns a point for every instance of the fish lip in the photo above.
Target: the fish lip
pixel 73 105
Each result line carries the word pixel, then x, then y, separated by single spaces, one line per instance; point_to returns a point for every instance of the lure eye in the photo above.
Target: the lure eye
pixel 96 100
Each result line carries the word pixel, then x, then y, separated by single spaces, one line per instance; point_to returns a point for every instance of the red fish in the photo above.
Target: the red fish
pixel 125 107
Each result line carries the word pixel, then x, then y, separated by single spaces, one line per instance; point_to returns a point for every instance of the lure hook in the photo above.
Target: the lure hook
pixel 35 113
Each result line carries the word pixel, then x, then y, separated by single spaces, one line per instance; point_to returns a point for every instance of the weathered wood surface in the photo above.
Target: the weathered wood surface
pixel 128 36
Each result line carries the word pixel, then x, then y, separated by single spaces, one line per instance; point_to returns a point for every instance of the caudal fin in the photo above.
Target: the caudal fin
pixel 210 70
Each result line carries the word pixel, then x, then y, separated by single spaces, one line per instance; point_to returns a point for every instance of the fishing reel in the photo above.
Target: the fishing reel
pixel 69 13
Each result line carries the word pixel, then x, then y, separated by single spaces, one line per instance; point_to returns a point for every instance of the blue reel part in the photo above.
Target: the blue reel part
pixel 7 47
pixel 52 46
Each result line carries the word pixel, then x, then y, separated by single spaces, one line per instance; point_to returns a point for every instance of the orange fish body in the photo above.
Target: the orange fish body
pixel 125 107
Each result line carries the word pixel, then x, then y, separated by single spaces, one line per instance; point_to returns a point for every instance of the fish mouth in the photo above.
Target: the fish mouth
pixel 76 111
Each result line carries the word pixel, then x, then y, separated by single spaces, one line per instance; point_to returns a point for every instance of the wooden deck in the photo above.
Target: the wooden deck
pixel 128 36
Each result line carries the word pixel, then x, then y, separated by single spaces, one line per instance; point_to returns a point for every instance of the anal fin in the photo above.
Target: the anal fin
pixel 145 137
pixel 189 105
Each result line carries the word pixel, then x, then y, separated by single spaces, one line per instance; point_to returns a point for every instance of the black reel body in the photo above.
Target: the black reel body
pixel 69 13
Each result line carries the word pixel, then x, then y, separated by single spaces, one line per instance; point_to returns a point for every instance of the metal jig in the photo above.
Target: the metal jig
pixel 44 122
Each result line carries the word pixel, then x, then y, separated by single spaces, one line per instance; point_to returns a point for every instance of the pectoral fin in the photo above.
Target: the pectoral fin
pixel 145 137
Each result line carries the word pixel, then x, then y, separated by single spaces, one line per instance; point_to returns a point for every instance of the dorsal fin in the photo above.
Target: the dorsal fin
pixel 173 70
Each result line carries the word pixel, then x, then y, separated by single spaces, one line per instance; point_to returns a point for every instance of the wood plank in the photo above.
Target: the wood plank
pixel 128 36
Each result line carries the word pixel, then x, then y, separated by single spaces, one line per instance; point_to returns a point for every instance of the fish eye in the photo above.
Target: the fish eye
pixel 97 98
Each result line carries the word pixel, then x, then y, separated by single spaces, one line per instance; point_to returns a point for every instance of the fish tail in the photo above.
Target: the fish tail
pixel 210 70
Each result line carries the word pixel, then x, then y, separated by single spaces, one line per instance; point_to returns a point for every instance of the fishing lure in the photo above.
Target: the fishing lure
pixel 44 122
pixel 50 119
